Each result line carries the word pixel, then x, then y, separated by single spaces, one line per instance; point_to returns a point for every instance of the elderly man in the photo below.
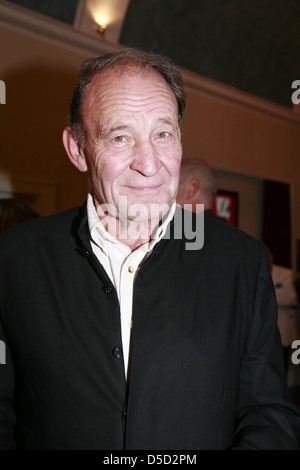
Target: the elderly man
pixel 117 335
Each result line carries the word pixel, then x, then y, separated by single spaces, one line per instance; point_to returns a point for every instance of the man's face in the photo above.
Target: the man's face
pixel 133 143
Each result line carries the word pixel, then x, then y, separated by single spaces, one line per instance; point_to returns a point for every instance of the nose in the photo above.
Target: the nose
pixel 146 159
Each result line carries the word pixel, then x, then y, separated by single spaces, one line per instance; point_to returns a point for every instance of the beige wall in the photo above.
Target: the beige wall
pixel 250 140
pixel 246 142
pixel 249 192
pixel 39 79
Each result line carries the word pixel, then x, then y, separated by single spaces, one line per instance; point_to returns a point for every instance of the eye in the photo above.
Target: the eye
pixel 119 138
pixel 163 135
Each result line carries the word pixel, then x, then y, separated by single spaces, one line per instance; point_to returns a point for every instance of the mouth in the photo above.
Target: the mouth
pixel 145 189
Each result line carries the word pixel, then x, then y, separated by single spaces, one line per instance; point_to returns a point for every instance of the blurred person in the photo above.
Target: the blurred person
pixel 286 296
pixel 13 211
pixel 197 185
pixel 119 337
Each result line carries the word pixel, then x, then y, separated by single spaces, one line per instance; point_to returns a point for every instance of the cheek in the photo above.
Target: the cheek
pixel 103 165
pixel 112 171
pixel 175 161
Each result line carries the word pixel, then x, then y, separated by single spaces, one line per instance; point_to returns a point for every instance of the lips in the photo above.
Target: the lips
pixel 145 189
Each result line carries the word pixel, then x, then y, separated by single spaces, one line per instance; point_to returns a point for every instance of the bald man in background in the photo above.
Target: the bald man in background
pixel 197 185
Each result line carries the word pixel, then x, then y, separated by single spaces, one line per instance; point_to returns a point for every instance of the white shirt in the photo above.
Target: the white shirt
pixel 121 265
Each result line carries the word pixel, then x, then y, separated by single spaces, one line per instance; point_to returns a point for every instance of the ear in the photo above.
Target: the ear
pixel 73 149
pixel 191 188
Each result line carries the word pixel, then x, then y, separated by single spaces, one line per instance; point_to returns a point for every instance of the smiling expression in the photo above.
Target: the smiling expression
pixel 133 143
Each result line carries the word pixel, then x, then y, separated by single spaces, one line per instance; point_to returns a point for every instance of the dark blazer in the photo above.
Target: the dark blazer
pixel 206 369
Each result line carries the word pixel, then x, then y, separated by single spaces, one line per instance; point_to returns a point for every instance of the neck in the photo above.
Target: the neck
pixel 130 232
pixel 134 234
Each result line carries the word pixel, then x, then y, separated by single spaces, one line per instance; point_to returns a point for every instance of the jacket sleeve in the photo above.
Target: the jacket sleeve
pixel 267 417
pixel 7 414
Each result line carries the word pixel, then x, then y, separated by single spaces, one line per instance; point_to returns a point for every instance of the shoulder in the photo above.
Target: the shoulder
pixel 228 255
pixel 225 235
pixel 220 239
pixel 235 243
pixel 39 231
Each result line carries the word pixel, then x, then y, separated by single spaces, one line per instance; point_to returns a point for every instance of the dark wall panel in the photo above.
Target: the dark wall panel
pixel 62 10
pixel 252 45
pixel 276 223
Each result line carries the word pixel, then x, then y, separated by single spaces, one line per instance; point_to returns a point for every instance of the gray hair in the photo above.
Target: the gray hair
pixel 125 57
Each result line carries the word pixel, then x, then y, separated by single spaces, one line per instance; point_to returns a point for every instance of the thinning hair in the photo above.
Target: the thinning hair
pixel 203 173
pixel 123 58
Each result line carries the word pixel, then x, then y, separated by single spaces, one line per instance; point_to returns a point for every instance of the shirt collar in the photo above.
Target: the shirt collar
pixel 102 237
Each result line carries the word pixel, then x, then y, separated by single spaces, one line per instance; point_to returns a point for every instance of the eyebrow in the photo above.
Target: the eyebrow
pixel 166 120
pixel 104 133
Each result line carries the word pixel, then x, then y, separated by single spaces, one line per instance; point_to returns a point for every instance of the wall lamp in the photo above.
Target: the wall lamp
pixel 101 28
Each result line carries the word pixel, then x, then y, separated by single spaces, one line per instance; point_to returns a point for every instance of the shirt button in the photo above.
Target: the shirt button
pixel 117 353
pixel 107 289
pixel 131 269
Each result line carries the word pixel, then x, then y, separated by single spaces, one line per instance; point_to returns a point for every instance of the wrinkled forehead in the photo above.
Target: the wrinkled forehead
pixel 120 74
